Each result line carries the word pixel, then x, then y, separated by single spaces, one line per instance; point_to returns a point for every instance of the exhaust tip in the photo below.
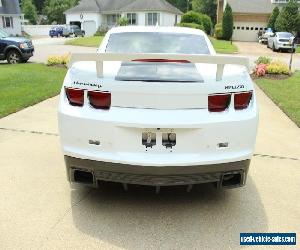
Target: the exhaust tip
pixel 232 180
pixel 83 177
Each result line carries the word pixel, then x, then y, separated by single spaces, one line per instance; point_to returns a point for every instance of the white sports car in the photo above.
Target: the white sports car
pixel 156 106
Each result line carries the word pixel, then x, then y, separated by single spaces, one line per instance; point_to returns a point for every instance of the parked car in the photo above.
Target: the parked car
pixel 73 31
pixel 56 31
pixel 15 49
pixel 281 41
pixel 156 106
pixel 265 36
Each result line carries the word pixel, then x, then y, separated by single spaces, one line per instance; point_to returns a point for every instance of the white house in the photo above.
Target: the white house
pixel 10 17
pixel 92 14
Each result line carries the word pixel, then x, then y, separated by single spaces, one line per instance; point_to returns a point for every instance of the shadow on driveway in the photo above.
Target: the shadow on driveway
pixel 174 219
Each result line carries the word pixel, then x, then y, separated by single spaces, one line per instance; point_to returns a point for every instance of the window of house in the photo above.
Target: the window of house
pixel 243 28
pixel 256 28
pixel 132 18
pixel 152 19
pixel 7 22
pixel 238 27
pixel 247 28
pixel 113 19
pixel 252 28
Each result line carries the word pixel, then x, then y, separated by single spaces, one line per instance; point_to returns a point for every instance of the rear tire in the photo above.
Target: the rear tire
pixel 13 57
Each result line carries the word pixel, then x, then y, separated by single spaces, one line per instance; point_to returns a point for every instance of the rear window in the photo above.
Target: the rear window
pixel 285 35
pixel 157 42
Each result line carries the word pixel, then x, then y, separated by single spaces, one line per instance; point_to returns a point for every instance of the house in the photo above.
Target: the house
pixel 92 14
pixel 249 16
pixel 10 17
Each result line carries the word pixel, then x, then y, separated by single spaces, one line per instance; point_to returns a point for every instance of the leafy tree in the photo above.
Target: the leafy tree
pixel 227 23
pixel 39 4
pixel 29 11
pixel 288 19
pixel 191 17
pixel 208 7
pixel 273 17
pixel 54 9
pixel 123 21
pixel 183 5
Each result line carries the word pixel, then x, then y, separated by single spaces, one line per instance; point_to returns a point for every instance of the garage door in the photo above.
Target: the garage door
pixel 247 32
pixel 89 27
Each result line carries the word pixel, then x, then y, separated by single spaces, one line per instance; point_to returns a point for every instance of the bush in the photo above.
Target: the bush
pixel 278 67
pixel 192 17
pixel 58 60
pixel 218 31
pixel 263 60
pixel 227 23
pixel 289 19
pixel 273 17
pixel 192 25
pixel 261 70
pixel 207 23
pixel 123 21
pixel 101 31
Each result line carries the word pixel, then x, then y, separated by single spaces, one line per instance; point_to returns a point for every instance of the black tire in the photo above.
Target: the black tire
pixel 24 60
pixel 13 57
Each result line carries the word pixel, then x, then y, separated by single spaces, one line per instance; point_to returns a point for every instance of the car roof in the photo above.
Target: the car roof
pixel 181 30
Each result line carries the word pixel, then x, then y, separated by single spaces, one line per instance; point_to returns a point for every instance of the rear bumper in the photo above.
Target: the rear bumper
pixel 157 176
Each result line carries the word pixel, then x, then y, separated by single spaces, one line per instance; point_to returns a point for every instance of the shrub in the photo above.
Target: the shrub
pixel 261 70
pixel 218 31
pixel 192 25
pixel 58 60
pixel 192 17
pixel 273 17
pixel 227 23
pixel 263 60
pixel 207 23
pixel 278 67
pixel 123 21
pixel 101 31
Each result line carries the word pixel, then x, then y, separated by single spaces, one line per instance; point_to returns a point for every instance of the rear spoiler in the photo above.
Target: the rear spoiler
pixel 219 60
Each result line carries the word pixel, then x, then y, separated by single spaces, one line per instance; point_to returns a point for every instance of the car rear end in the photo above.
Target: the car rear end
pixel 152 120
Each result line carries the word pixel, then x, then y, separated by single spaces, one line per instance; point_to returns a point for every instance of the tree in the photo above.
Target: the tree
pixel 208 7
pixel 288 19
pixel 54 9
pixel 29 11
pixel 273 18
pixel 183 5
pixel 227 23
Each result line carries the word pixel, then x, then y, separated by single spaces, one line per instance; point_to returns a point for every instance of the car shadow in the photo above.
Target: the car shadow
pixel 141 219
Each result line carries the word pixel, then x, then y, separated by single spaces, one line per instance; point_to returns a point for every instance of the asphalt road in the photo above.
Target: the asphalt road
pixel 39 210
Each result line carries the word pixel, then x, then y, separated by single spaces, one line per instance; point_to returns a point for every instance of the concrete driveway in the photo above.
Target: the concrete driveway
pixel 40 211
pixel 253 50
pixel 46 46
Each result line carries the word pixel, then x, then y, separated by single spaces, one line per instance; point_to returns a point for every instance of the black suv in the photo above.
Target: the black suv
pixel 15 49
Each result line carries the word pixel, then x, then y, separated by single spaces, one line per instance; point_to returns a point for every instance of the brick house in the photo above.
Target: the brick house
pixel 249 16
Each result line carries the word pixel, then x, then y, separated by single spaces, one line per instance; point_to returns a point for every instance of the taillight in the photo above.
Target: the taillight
pixel 218 103
pixel 242 100
pixel 161 60
pixel 100 100
pixel 75 96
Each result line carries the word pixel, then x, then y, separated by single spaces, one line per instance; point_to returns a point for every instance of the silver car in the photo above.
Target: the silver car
pixel 281 41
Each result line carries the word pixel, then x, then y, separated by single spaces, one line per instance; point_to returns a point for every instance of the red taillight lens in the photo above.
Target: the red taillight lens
pixel 242 100
pixel 218 103
pixel 100 100
pixel 75 96
pixel 161 60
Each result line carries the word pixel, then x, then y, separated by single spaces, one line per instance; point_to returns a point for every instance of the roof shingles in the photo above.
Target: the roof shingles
pixel 123 6
pixel 10 7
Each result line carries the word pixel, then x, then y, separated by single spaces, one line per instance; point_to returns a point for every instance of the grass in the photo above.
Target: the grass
pixel 298 49
pixel 285 93
pixel 24 85
pixel 223 47
pixel 89 41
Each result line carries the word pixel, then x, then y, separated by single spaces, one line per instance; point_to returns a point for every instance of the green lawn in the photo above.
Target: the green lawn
pixel 23 85
pixel 89 41
pixel 223 47
pixel 298 49
pixel 285 93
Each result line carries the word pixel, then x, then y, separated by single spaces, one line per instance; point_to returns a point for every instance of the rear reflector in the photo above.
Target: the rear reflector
pixel 100 100
pixel 218 103
pixel 75 96
pixel 161 60
pixel 242 100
